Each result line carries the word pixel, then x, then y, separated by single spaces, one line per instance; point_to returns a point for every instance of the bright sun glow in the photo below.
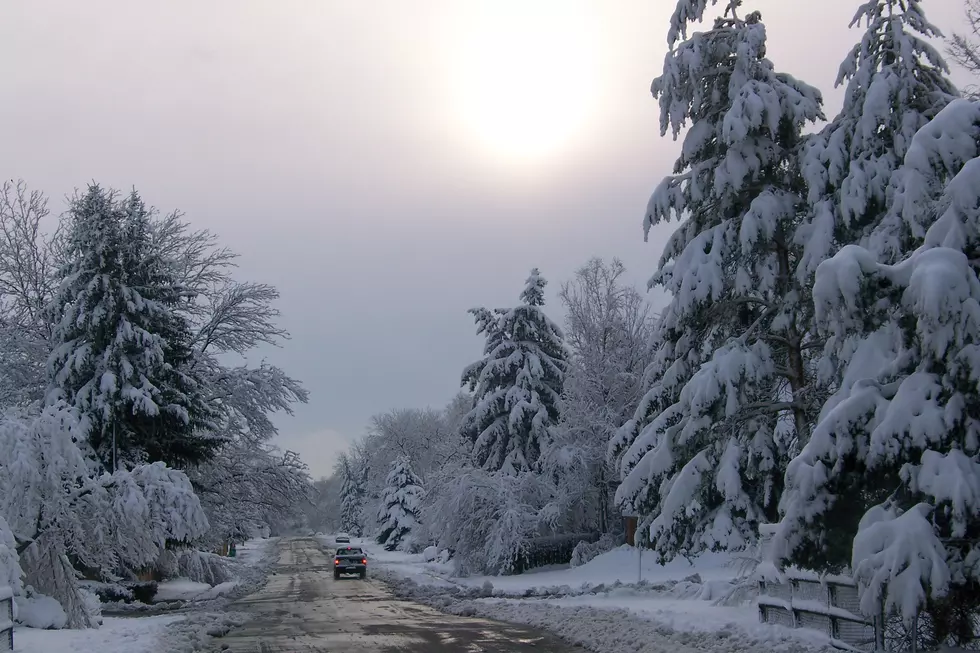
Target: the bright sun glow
pixel 526 76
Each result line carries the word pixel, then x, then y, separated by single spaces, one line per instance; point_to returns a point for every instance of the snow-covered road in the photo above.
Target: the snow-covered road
pixel 302 608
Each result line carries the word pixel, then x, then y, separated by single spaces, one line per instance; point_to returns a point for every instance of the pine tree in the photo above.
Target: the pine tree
pixel 895 83
pixel 728 395
pixel 350 499
pixel 861 193
pixel 122 353
pixel 517 384
pixel 889 484
pixel 401 502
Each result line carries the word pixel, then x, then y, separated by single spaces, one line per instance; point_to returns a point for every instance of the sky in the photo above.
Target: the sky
pixel 387 164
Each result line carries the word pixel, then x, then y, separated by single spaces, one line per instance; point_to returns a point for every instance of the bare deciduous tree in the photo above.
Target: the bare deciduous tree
pixel 608 327
pixel 27 283
pixel 964 47
pixel 27 279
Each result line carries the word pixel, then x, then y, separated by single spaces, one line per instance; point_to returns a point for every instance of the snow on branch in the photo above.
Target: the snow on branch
pixel 898 561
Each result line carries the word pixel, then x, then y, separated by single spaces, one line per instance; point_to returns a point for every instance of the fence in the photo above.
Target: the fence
pixel 550 550
pixel 6 619
pixel 830 606
pixel 805 600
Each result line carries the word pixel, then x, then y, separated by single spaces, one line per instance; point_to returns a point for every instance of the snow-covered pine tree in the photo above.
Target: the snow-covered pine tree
pixel 121 349
pixel 350 498
pixel 401 502
pixel 517 384
pixel 889 483
pixel 184 429
pixel 728 393
pixel 896 83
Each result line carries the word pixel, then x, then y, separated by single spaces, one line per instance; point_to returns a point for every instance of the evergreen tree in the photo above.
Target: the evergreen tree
pixel 350 499
pixel 517 384
pixel 858 192
pixel 895 83
pixel 728 395
pixel 889 484
pixel 401 502
pixel 122 351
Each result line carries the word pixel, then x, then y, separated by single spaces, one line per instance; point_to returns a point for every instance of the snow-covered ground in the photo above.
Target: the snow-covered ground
pixel 169 633
pixel 619 601
pixel 116 635
pixel 149 634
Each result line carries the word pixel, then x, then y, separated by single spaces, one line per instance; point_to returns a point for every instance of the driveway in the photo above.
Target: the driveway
pixel 303 609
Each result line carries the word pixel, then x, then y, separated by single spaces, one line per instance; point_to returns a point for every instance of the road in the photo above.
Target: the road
pixel 302 609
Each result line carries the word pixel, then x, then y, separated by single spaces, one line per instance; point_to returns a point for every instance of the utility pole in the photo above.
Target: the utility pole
pixel 639 563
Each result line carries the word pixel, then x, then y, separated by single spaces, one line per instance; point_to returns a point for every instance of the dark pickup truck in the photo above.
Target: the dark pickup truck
pixel 350 560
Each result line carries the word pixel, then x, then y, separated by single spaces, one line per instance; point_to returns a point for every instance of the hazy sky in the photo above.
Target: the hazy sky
pixel 386 164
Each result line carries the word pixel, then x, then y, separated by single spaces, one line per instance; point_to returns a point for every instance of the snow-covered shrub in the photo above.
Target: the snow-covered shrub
pixel 92 606
pixel 167 564
pixel 11 575
pixel 59 503
pixel 174 510
pixel 108 592
pixel 203 567
pixel 586 551
pixel 36 610
pixel 486 518
pixel 430 554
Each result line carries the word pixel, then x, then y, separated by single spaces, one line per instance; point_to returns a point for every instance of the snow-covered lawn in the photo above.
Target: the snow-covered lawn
pixel 602 606
pixel 622 565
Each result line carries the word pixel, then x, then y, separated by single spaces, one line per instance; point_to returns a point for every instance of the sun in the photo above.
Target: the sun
pixel 525 81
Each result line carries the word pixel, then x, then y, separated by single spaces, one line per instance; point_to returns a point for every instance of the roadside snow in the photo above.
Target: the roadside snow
pixel 255 552
pixel 116 635
pixel 607 628
pixel 601 606
pixel 152 634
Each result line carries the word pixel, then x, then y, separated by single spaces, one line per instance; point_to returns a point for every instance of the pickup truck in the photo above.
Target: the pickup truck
pixel 350 560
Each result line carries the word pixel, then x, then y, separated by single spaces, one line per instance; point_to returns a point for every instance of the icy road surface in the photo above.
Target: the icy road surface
pixel 302 609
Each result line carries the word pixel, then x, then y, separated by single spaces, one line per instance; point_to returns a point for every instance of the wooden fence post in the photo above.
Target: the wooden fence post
pixel 6 619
